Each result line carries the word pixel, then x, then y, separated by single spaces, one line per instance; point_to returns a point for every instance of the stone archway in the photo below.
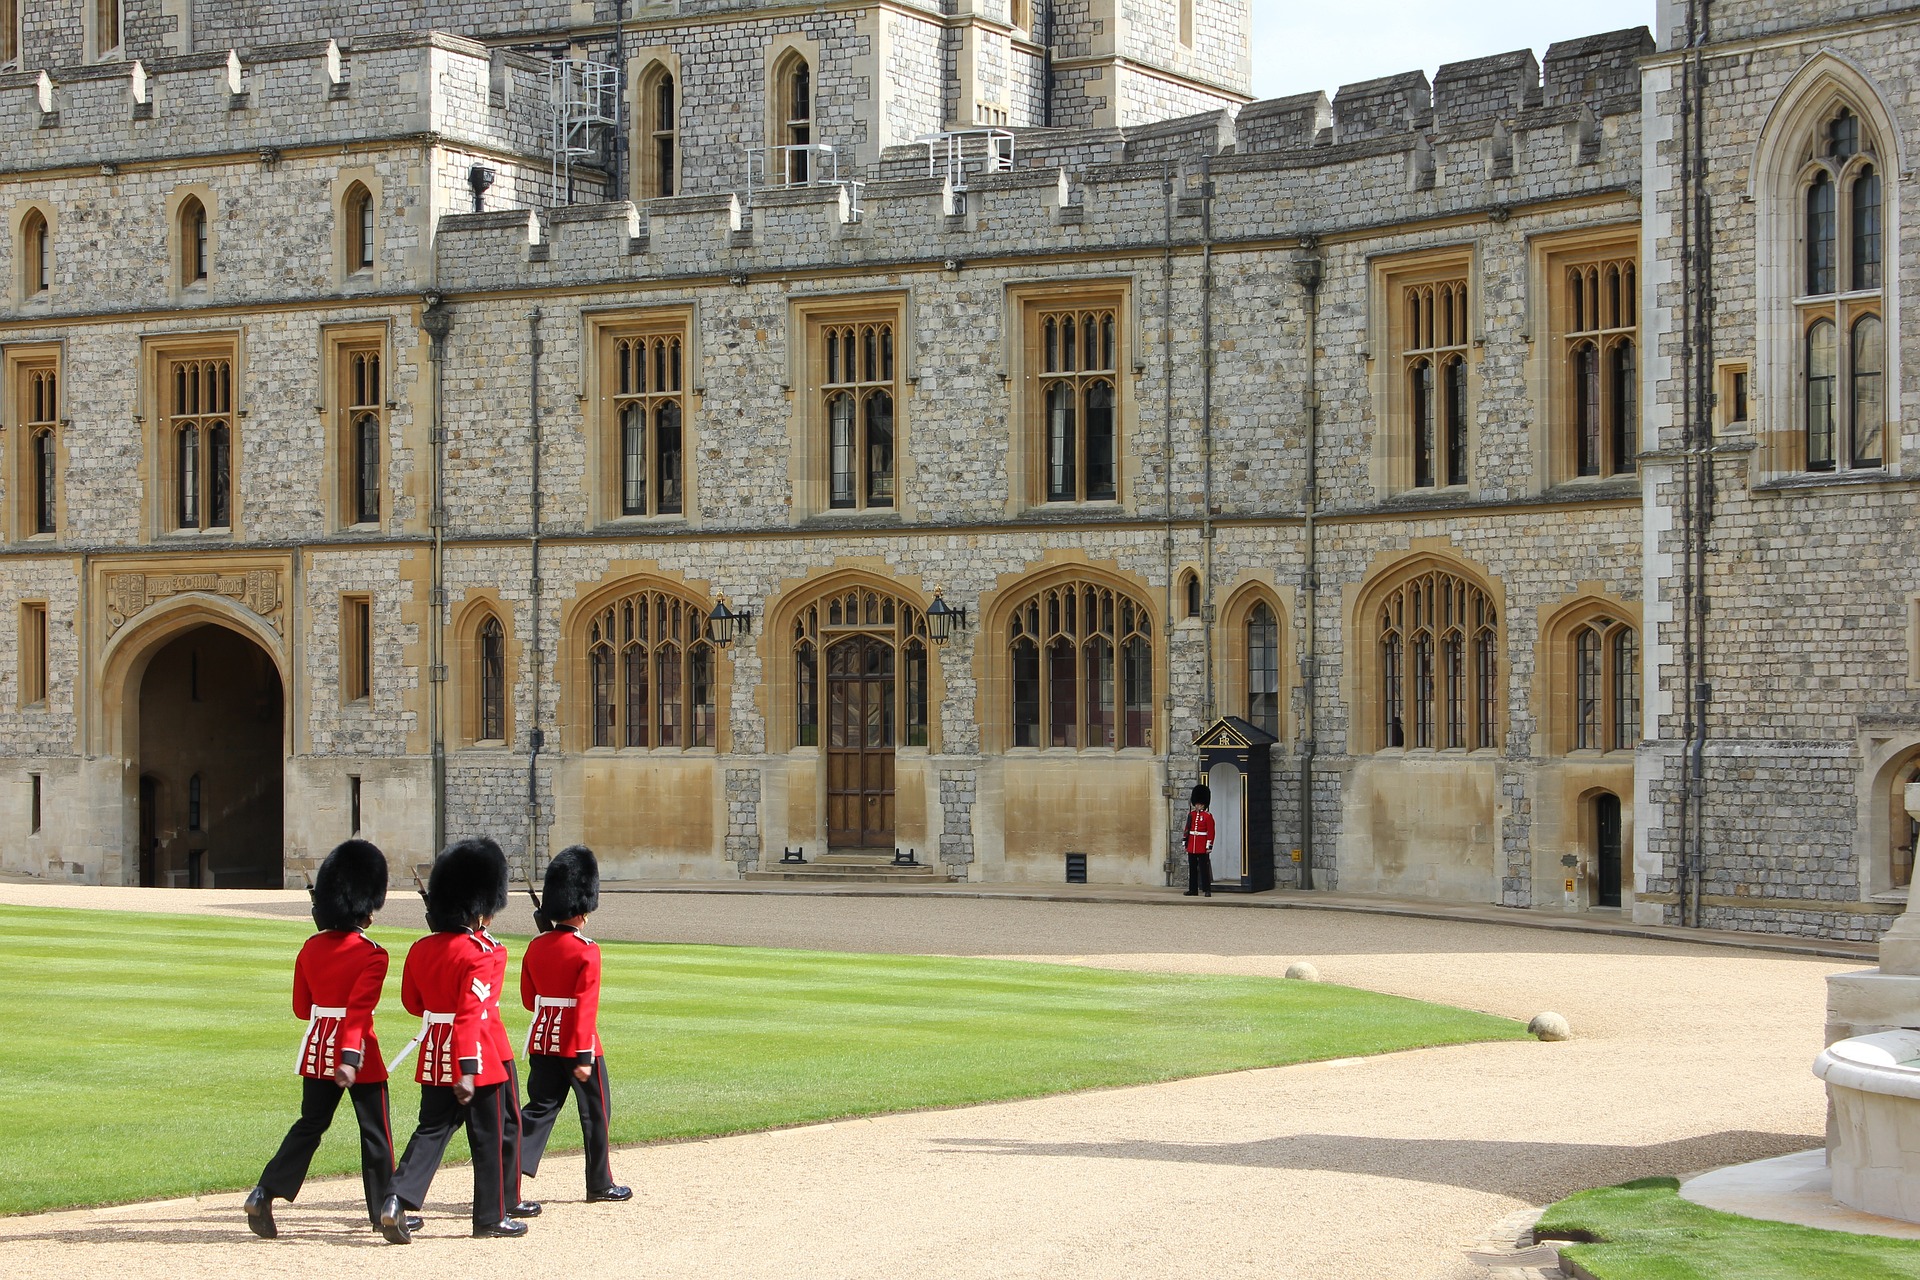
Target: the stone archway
pixel 208 750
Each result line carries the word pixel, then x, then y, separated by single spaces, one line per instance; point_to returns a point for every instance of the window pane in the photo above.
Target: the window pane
pixel 1061 470
pixel 601 662
pixel 639 722
pixel 1136 659
pixel 700 692
pixel 667 453
pixel 840 427
pixel 1820 235
pixel 1099 663
pixel 219 494
pixel 1586 689
pixel 1486 688
pixel 1063 727
pixel 366 444
pixel 916 689
pixel 43 482
pixel 879 451
pixel 1586 410
pixel 1263 669
pixel 1101 481
pixel 1421 389
pixel 1453 665
pixel 1026 693
pixel 1820 379
pixel 187 460
pixel 1866 230
pixel 1624 397
pixel 1423 690
pixel 667 696
pixel 1869 392
pixel 493 681
pixel 1456 375
pixel 806 678
pixel 1392 691
pixel 1626 689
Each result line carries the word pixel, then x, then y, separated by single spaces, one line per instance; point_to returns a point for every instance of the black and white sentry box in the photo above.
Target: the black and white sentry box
pixel 1234 764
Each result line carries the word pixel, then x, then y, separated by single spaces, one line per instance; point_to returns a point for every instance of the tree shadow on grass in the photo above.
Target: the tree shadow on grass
pixel 1537 1172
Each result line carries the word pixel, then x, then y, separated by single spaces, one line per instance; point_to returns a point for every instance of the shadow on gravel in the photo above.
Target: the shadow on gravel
pixel 1538 1172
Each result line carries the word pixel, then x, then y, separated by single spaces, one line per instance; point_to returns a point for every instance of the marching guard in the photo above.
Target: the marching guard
pixel 466 1072
pixel 336 987
pixel 560 983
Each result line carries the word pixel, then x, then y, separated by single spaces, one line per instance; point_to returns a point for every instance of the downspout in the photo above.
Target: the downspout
pixel 535 739
pixel 1702 334
pixel 438 322
pixel 1307 270
pixel 1166 451
pixel 1209 705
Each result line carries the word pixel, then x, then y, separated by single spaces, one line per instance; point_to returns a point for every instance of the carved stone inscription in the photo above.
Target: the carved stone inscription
pixel 129 593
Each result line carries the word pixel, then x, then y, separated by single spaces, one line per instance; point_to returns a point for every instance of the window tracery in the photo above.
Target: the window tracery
pixel 1080 662
pixel 1438 664
pixel 651 673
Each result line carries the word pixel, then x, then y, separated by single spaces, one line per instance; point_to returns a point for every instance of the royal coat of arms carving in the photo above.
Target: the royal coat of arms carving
pixel 129 594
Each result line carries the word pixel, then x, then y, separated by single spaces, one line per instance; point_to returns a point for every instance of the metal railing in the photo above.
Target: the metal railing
pixel 947 153
pixel 813 164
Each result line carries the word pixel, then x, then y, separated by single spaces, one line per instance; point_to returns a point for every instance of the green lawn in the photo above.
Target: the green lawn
pixel 1644 1231
pixel 145 1056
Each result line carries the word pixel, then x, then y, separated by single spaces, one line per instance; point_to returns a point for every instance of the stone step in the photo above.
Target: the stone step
pixel 846 873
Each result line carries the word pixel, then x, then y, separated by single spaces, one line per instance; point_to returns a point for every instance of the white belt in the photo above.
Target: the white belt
pixel 541 1003
pixel 317 1013
pixel 428 1021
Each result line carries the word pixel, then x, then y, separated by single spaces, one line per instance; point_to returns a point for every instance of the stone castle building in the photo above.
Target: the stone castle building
pixel 715 428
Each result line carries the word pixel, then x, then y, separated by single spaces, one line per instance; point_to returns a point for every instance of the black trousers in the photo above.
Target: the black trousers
pixel 549 1079
pixel 318 1100
pixel 1199 873
pixel 492 1122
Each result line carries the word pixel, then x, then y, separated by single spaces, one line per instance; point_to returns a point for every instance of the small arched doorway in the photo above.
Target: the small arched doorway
pixel 1606 850
pixel 210 763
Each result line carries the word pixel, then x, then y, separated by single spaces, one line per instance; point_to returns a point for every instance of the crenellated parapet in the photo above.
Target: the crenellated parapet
pixel 314 93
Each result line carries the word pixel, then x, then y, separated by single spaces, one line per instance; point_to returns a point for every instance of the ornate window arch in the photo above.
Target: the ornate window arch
pixel 1253 636
pixel 1432 642
pixel 1591 665
pixel 487 664
pixel 790 111
pixel 841 610
pixel 1079 658
pixel 659 99
pixel 1828 255
pixel 35 256
pixel 646 671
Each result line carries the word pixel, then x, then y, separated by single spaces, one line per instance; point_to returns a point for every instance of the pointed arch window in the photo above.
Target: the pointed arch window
pixel 1597 317
pixel 199 395
pixel 36 255
pixel 357 215
pixel 651 673
pixel 491 658
pixel 1079 351
pixel 1080 656
pixel 1433 356
pixel 1437 664
pixel 193 241
pixel 858 386
pixel 659 134
pixel 1263 669
pixel 647 374
pixel 1843 350
pixel 1606 686
pixel 793 118
pixel 38 391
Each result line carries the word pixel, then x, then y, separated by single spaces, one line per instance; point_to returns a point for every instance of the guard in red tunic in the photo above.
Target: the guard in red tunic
pixel 1200 843
pixel 560 983
pixel 336 987
pixel 452 982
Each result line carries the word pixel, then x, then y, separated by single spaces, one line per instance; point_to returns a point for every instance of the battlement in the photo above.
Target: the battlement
pixel 314 92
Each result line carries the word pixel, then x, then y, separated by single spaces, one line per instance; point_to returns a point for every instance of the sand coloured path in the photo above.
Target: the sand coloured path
pixel 1686 1058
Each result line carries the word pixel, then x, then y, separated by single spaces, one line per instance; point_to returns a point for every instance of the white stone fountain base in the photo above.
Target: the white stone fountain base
pixel 1873 1083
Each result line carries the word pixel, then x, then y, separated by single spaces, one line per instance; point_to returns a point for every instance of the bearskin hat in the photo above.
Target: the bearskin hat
pixel 573 884
pixel 469 880
pixel 350 884
pixel 1201 795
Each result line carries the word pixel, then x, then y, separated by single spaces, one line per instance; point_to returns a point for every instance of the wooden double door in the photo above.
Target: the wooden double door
pixel 860 742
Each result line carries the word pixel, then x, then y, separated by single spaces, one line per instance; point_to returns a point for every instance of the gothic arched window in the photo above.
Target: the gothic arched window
pixel 651 677
pixel 1437 664
pixel 1080 657
pixel 1840 297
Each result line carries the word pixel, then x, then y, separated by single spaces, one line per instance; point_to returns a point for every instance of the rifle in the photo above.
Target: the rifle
pixel 540 920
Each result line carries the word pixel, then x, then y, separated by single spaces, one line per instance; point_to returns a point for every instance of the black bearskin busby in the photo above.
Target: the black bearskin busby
pixel 573 884
pixel 351 884
pixel 1201 795
pixel 468 881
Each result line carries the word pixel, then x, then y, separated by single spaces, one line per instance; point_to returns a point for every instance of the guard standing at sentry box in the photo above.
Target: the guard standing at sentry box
pixel 560 983
pixel 466 1073
pixel 336 988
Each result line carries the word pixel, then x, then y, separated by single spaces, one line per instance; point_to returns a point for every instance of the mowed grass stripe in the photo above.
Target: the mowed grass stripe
pixel 147 1056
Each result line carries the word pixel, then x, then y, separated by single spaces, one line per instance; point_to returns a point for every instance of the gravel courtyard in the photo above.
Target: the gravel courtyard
pixel 1685 1057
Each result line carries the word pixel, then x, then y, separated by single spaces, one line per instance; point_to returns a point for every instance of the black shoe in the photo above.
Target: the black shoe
pixel 525 1209
pixel 259 1207
pixel 610 1193
pixel 506 1229
pixel 396 1224
pixel 1207 894
pixel 414 1223
pixel 1191 893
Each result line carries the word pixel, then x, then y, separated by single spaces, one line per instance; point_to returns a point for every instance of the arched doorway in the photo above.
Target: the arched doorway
pixel 1606 850
pixel 210 763
pixel 860 743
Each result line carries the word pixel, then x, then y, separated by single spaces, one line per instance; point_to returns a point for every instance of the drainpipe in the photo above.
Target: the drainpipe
pixel 1166 454
pixel 438 322
pixel 1209 706
pixel 1307 270
pixel 535 738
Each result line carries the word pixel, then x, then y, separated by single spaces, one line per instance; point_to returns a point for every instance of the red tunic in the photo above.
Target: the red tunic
pixel 453 981
pixel 336 987
pixel 1199 831
pixel 560 982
